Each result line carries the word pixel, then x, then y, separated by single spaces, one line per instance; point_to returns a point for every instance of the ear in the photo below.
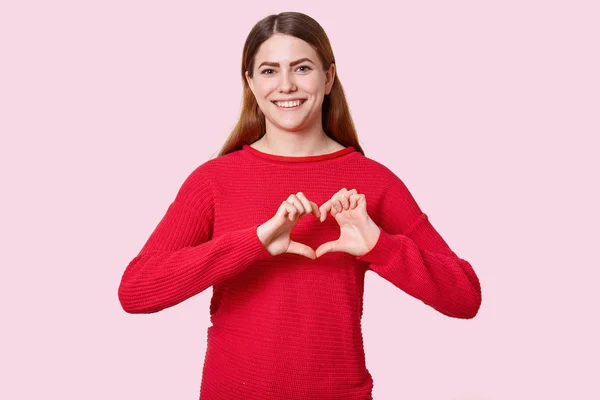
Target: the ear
pixel 329 78
pixel 250 81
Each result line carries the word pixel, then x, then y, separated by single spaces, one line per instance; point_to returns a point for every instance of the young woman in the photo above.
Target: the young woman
pixel 283 225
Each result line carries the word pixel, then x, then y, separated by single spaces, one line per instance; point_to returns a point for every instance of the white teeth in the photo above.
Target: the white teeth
pixel 288 104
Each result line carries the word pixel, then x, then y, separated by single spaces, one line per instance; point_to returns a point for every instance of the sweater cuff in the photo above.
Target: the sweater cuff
pixel 385 248
pixel 253 249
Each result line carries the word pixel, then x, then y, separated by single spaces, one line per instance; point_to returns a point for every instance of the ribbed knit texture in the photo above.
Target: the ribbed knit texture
pixel 288 327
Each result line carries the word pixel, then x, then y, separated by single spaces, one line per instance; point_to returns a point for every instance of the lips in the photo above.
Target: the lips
pixel 302 101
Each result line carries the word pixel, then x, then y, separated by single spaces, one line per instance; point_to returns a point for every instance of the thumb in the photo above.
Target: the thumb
pixel 301 249
pixel 328 247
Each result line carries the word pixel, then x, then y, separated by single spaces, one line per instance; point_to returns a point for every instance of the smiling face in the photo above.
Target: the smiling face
pixel 289 84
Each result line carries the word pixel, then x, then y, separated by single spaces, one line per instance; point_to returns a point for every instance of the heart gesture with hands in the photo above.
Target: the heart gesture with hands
pixel 358 232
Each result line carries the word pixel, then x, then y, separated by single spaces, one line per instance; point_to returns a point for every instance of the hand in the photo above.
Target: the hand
pixel 358 232
pixel 275 233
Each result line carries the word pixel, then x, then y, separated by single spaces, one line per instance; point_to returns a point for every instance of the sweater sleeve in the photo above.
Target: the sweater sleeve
pixel 412 255
pixel 181 258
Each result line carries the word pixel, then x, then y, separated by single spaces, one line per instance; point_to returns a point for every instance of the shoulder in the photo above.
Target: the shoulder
pixel 206 175
pixel 376 169
pixel 198 183
pixel 394 206
pixel 385 187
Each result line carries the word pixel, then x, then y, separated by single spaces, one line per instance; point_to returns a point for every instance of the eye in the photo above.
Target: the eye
pixel 270 71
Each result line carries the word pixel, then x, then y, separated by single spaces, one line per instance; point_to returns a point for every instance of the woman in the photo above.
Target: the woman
pixel 254 224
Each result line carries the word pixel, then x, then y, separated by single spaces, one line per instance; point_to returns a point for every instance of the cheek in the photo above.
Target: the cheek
pixel 313 83
pixel 264 88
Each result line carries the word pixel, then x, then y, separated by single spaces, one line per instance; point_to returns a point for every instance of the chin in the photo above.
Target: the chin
pixel 290 127
pixel 287 124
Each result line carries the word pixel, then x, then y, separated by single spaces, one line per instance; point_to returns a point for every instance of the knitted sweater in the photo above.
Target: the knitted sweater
pixel 286 326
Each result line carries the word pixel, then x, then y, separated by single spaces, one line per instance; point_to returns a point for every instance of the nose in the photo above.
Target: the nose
pixel 286 83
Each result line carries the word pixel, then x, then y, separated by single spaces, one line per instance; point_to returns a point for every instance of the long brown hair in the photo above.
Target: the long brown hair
pixel 336 118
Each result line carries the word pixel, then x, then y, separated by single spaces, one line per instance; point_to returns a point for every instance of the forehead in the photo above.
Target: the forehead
pixel 283 49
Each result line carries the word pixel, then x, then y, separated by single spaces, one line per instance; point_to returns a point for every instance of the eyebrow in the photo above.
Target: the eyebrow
pixel 274 64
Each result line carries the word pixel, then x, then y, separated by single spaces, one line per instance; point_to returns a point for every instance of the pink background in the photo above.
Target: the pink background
pixel 490 113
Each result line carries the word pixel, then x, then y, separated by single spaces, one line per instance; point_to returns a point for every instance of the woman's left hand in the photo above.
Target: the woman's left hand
pixel 358 232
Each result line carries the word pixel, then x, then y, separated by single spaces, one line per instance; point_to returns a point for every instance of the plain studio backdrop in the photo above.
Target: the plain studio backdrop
pixel 488 111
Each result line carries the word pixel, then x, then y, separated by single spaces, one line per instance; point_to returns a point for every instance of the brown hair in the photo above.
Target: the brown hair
pixel 337 122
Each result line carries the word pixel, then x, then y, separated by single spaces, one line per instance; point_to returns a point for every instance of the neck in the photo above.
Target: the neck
pixel 300 143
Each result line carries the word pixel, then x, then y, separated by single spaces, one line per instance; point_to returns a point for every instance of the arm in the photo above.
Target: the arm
pixel 413 256
pixel 181 258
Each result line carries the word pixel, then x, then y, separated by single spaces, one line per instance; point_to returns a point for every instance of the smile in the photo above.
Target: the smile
pixel 289 105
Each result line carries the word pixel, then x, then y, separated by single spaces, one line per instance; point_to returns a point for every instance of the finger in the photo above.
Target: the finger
pixel 336 207
pixel 324 209
pixel 326 248
pixel 282 211
pixel 296 202
pixel 344 202
pixel 354 201
pixel 289 210
pixel 361 201
pixel 329 204
pixel 305 204
pixel 339 207
pixel 337 197
pixel 345 198
pixel 301 249
pixel 315 209
pixel 309 206
pixel 337 200
pixel 340 192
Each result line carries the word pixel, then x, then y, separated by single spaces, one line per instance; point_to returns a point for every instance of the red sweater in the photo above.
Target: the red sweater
pixel 286 326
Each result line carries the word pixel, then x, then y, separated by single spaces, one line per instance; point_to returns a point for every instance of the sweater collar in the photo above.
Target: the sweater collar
pixel 320 157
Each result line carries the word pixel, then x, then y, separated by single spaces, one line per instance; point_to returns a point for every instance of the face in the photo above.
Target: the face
pixel 285 69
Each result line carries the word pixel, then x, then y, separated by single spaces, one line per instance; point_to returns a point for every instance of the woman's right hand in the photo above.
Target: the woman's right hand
pixel 275 233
